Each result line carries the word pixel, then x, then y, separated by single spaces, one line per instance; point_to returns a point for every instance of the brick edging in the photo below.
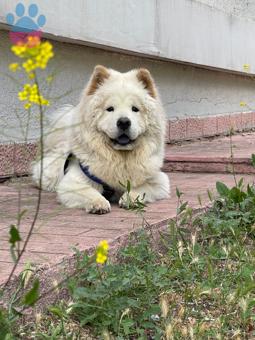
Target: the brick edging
pixel 15 158
pixel 191 128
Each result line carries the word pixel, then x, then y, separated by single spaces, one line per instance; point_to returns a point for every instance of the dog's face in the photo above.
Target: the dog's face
pixel 122 105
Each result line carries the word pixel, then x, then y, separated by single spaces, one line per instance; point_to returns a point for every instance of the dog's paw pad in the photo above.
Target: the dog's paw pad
pixel 99 207
pixel 99 211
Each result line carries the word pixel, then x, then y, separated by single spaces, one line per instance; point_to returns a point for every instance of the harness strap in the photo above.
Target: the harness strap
pixel 108 191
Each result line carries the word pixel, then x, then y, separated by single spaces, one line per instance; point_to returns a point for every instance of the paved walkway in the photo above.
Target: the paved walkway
pixel 213 155
pixel 243 147
pixel 59 229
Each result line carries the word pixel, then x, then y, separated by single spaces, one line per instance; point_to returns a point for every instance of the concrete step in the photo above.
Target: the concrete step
pixel 212 156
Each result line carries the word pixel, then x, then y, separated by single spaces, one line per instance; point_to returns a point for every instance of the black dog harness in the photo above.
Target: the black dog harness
pixel 108 191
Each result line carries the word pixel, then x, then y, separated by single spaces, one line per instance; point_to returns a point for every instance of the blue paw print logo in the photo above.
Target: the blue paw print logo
pixel 25 21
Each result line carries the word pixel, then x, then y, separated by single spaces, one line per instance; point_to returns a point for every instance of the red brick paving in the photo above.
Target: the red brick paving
pixel 212 155
pixel 243 146
pixel 59 229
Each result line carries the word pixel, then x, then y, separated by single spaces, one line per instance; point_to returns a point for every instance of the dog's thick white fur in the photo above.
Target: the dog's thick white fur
pixel 117 130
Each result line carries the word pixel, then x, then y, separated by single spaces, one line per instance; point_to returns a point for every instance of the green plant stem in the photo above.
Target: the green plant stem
pixel 39 198
pixel 232 156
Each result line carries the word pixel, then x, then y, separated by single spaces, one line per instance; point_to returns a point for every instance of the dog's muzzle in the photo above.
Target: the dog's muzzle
pixel 123 125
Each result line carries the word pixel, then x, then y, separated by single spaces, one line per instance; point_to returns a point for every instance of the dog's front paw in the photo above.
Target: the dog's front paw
pixel 98 206
pixel 128 200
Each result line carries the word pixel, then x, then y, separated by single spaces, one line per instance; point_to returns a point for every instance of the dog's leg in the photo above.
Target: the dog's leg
pixel 76 191
pixel 158 187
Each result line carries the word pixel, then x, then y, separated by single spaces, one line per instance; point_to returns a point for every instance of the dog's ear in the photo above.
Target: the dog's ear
pixel 144 76
pixel 98 77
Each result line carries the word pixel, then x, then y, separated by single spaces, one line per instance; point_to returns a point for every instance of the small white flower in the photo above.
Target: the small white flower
pixel 155 317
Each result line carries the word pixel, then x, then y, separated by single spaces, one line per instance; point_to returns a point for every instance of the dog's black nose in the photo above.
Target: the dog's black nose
pixel 123 123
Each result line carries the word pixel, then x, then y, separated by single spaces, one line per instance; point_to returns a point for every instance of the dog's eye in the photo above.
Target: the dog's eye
pixel 110 109
pixel 135 109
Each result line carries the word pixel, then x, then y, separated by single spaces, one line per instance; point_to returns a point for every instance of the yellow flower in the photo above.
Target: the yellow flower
pixel 36 52
pixel 19 50
pixel 101 258
pixel 31 93
pixel 44 101
pixel 14 67
pixel 102 252
pixel 246 67
pixel 27 87
pixel 23 95
pixel 243 104
pixel 27 106
pixel 29 65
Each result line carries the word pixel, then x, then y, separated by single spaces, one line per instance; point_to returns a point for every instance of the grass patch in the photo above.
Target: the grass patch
pixel 195 281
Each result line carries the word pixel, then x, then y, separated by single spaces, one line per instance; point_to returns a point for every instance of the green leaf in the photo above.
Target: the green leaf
pixel 178 193
pixel 182 207
pixel 32 296
pixel 128 186
pixel 237 195
pixel 253 159
pixel 88 318
pixel 21 214
pixel 249 190
pixel 57 311
pixel 222 189
pixel 4 325
pixel 210 195
pixel 14 254
pixel 127 324
pixel 240 183
pixel 14 235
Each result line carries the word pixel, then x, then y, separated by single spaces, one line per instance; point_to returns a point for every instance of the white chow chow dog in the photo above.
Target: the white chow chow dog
pixel 114 135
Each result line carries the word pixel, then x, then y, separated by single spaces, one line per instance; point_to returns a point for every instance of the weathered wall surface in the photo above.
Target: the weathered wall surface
pixel 186 31
pixel 241 8
pixel 185 90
